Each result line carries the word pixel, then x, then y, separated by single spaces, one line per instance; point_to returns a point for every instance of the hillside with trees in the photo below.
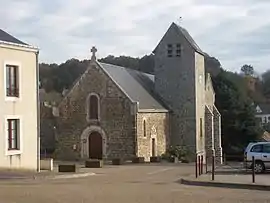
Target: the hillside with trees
pixel 235 92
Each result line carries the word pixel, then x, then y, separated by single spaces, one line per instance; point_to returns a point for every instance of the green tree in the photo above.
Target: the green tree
pixel 247 69
pixel 266 83
pixel 239 125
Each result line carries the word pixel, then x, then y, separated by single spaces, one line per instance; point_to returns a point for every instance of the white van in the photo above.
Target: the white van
pixel 261 153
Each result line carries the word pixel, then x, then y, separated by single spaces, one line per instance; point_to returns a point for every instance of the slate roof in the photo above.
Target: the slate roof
pixel 138 86
pixel 188 37
pixel 265 108
pixel 4 36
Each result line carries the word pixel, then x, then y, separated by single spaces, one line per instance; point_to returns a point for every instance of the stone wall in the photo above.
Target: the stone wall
pixel 175 83
pixel 217 135
pixel 209 132
pixel 117 120
pixel 157 127
pixel 209 92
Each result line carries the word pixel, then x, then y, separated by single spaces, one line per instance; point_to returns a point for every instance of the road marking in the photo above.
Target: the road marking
pixel 159 171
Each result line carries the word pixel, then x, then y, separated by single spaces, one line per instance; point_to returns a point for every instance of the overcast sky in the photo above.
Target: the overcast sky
pixel 234 31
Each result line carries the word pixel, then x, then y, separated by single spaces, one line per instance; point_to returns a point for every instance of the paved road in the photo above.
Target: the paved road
pixel 130 183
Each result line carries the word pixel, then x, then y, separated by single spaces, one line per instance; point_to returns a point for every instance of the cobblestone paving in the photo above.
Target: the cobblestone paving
pixel 131 184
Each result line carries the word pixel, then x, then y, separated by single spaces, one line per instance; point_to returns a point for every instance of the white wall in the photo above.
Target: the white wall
pixel 265 118
pixel 24 108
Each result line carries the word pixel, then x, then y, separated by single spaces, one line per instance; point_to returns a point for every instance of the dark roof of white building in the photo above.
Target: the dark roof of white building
pixel 264 107
pixel 4 36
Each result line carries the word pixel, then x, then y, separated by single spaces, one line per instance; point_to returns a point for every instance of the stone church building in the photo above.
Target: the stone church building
pixel 114 111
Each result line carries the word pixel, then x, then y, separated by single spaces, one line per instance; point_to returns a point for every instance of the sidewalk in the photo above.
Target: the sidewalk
pixel 16 174
pixel 240 181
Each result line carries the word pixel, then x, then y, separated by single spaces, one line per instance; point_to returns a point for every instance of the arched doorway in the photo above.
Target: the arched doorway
pixel 95 146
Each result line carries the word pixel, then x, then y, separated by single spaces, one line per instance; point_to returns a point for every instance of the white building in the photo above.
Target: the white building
pixel 263 113
pixel 19 109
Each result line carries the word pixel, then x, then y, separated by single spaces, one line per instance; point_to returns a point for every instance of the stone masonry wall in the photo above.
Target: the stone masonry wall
pixel 217 135
pixel 209 133
pixel 116 118
pixel 175 83
pixel 157 127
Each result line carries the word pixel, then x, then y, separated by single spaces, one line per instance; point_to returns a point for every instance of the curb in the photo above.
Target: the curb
pixel 225 185
pixel 73 176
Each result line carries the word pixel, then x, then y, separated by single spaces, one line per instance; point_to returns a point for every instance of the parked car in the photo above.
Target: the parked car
pixel 261 153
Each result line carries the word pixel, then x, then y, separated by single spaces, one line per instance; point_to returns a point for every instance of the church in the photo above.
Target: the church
pixel 117 112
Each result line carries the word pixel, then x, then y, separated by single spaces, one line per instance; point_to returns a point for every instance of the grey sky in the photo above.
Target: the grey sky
pixel 234 31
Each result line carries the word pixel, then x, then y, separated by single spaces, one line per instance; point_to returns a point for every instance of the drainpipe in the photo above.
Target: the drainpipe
pixel 38 113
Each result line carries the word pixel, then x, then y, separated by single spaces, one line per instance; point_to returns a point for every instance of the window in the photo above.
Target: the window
pixel 201 127
pixel 12 81
pixel 266 148
pixel 169 50
pixel 144 128
pixel 257 148
pixel 93 107
pixel 13 134
pixel 178 50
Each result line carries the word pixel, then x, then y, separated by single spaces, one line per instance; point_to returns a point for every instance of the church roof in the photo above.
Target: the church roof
pixel 138 86
pixel 4 36
pixel 188 37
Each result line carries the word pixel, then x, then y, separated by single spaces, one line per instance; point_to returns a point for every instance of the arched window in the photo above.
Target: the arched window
pixel 144 128
pixel 93 107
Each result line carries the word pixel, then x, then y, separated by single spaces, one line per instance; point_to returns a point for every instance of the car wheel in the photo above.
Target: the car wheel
pixel 259 167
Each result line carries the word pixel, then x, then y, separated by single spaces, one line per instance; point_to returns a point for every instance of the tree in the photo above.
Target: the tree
pixel 239 125
pixel 212 65
pixel 248 70
pixel 266 83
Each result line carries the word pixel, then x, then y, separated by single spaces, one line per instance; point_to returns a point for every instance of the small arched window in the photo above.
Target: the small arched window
pixel 93 107
pixel 144 128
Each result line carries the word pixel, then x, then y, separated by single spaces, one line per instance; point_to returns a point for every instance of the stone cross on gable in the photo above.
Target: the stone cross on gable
pixel 93 50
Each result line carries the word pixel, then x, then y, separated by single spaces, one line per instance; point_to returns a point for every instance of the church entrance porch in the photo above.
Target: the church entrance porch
pixel 93 143
pixel 95 146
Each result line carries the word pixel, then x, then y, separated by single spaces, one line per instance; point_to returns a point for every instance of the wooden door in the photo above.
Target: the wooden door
pixel 153 147
pixel 95 146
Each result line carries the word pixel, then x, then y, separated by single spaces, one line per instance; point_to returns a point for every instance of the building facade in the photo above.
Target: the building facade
pixel 18 101
pixel 263 113
pixel 119 112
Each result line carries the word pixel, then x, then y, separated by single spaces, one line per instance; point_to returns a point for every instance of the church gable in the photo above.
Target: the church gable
pixel 93 81
pixel 96 101
pixel 180 33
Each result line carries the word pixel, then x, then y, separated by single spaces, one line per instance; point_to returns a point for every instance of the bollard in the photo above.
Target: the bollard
pixel 199 163
pixel 196 167
pixel 206 164
pixel 213 167
pixel 253 169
